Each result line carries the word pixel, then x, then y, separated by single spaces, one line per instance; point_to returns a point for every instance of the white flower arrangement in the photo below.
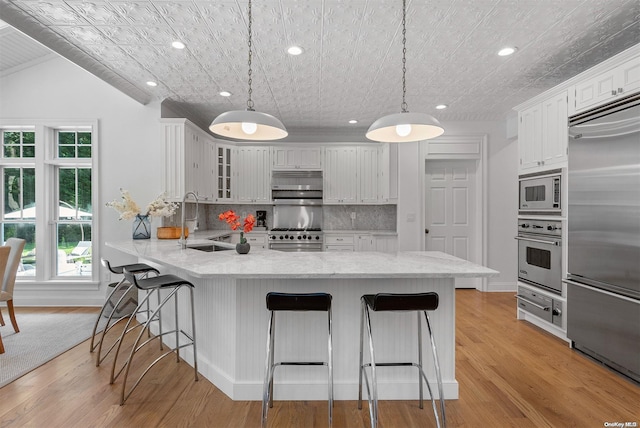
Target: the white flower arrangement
pixel 129 209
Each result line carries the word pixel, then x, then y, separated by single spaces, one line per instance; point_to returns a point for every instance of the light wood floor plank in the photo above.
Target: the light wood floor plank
pixel 511 374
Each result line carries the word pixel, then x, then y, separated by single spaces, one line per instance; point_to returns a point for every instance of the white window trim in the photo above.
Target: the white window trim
pixel 45 164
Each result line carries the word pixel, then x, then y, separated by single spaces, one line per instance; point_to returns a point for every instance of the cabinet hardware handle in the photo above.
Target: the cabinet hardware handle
pixel 613 92
pixel 619 90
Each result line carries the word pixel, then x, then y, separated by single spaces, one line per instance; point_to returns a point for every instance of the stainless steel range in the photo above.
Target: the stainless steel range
pixel 297 211
pixel 294 239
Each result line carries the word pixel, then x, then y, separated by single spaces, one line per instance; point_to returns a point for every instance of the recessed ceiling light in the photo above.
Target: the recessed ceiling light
pixel 352 121
pixel 441 106
pixel 225 93
pixel 295 50
pixel 506 51
pixel 178 44
pixel 152 83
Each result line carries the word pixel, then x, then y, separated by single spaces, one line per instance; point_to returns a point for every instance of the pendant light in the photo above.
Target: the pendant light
pixel 404 127
pixel 248 124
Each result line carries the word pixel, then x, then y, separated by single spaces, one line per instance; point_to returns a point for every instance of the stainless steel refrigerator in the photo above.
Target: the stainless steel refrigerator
pixel 603 284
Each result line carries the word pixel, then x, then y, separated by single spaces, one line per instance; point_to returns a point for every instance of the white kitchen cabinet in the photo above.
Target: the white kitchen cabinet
pixel 368 177
pixel 555 134
pixel 187 160
pixel 385 243
pixel 253 165
pixel 360 174
pixel 225 156
pixel 308 158
pixel 388 173
pixel 608 86
pixel 339 242
pixel 542 133
pixel 365 242
pixel 361 241
pixel 257 239
pixel 340 175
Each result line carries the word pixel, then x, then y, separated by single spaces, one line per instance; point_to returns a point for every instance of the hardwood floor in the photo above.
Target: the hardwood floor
pixel 510 372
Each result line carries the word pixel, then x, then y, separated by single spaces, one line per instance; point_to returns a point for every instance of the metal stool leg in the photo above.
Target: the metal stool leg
pixel 267 388
pixel 137 345
pixel 330 364
pixel 127 329
pixel 436 364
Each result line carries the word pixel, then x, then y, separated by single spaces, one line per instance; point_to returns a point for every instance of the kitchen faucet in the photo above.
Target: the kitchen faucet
pixel 183 238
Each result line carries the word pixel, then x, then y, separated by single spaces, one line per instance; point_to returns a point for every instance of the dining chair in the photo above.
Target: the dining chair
pixel 4 258
pixel 16 245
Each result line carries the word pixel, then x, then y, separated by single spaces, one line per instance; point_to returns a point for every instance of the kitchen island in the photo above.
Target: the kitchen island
pixel 231 317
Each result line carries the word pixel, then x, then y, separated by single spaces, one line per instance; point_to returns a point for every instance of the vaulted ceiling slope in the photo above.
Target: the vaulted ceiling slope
pixel 351 65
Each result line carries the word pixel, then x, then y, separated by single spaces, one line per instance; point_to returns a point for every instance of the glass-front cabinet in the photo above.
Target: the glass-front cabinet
pixel 225 155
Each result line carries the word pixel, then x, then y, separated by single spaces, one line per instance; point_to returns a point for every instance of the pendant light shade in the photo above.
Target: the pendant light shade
pixel 248 124
pixel 404 127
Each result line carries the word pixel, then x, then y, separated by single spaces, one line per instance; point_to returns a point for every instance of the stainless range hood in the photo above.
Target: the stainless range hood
pixel 296 188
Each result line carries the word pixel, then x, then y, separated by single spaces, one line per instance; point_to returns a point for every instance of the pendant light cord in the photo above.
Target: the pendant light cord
pixel 250 101
pixel 404 56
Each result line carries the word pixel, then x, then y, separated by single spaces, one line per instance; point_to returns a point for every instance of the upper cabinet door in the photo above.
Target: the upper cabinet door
pixel 368 177
pixel 616 83
pixel 254 174
pixel 225 159
pixel 530 137
pixel 188 164
pixel 340 175
pixel 555 132
pixel 297 158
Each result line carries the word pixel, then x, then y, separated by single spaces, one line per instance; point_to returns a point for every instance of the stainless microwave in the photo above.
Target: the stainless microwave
pixel 541 193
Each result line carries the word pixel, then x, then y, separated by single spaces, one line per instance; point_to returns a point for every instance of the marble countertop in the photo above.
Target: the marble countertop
pixel 276 264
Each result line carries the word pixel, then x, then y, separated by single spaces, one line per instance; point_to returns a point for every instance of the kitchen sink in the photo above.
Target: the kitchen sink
pixel 207 248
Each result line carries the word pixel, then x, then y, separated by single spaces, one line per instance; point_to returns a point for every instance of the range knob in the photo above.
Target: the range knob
pixel 524 226
pixel 317 238
pixel 291 237
pixel 552 228
pixel 300 237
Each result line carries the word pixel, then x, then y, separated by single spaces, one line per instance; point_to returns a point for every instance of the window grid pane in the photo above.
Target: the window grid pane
pixel 73 144
pixel 18 144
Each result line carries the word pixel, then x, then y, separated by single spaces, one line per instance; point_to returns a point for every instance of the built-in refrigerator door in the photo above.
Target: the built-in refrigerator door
pixel 604 200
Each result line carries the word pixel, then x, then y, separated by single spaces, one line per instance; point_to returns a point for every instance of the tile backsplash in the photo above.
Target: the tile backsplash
pixel 335 217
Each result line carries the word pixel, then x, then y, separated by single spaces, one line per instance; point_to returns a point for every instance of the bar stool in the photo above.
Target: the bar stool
pixel 418 302
pixel 138 269
pixel 173 284
pixel 294 302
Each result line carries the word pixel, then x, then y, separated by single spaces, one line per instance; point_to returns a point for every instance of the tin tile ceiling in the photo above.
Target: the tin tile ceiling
pixel 351 65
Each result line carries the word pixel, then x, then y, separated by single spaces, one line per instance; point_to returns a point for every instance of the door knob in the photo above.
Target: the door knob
pixel 426 231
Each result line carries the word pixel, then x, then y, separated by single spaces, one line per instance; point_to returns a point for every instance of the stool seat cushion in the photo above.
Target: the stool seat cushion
pixel 402 301
pixel 298 301
pixel 161 281
pixel 134 268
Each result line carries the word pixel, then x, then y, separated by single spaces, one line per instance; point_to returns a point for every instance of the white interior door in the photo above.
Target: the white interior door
pixel 450 211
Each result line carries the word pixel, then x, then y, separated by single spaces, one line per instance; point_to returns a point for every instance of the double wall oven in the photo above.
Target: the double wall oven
pixel 540 246
pixel 297 211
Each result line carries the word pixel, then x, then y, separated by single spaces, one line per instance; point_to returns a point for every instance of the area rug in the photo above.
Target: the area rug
pixel 42 337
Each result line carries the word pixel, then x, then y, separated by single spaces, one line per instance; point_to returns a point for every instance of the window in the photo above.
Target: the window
pixel 48 181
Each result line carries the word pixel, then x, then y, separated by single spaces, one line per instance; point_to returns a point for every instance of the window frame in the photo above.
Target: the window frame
pixel 47 165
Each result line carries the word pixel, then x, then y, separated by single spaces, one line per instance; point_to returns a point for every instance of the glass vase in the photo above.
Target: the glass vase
pixel 141 227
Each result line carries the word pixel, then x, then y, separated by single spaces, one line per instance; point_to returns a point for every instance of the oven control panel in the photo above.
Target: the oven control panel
pixel 540 227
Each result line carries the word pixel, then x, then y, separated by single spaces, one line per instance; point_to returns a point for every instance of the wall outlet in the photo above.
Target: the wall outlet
pixel 106 276
pixel 353 215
